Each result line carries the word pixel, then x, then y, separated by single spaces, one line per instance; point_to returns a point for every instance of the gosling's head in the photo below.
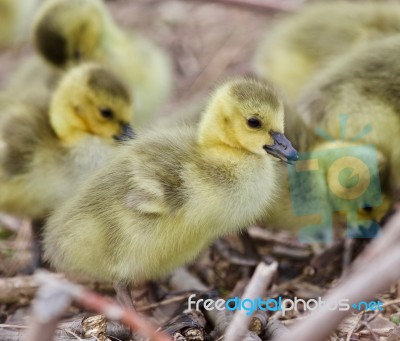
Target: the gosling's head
pixel 247 115
pixel 66 32
pixel 90 100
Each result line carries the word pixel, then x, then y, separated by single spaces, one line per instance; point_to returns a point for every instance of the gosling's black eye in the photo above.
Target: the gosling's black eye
pixel 107 113
pixel 254 122
pixel 368 209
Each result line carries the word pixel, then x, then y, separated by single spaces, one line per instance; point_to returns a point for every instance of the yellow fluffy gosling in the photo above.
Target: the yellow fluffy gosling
pixel 45 152
pixel 168 194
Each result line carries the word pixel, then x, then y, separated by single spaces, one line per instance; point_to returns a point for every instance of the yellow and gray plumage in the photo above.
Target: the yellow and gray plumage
pixel 363 85
pixel 306 42
pixel 47 149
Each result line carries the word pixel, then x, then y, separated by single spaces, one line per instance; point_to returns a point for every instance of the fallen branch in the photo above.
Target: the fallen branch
pixel 373 272
pixel 47 308
pixel 10 222
pixel 21 289
pixel 222 247
pixel 15 289
pixel 183 280
pixel 263 234
pixel 262 277
pixel 55 295
pixel 64 331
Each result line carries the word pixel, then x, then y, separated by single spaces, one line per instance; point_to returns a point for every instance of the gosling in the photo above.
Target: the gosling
pixel 363 85
pixel 167 194
pixel 67 32
pixel 306 42
pixel 45 151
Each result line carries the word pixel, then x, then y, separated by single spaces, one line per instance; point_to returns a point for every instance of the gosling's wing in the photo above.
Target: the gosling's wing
pixel 158 173
pixel 367 74
pixel 23 130
pixel 147 196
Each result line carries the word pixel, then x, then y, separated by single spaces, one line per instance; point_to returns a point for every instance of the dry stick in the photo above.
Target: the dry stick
pixel 350 333
pixel 347 254
pixel 275 329
pixel 359 287
pixel 10 222
pixel 97 303
pixel 183 280
pixel 262 234
pixel 366 324
pixel 64 330
pixel 386 304
pixel 375 270
pixel 256 288
pixel 162 303
pixel 264 5
pixel 14 289
pixel 47 308
pixel 23 288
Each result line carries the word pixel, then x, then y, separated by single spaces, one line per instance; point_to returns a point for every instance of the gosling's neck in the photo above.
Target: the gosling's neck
pixel 67 127
pixel 217 143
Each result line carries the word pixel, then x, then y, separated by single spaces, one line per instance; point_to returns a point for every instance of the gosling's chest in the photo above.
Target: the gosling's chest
pixel 234 197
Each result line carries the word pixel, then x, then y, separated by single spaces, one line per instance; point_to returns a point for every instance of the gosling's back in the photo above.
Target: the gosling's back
pixel 36 171
pixel 309 40
pixel 360 93
pixel 154 207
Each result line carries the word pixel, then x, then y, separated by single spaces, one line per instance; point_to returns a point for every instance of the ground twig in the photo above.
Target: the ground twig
pixel 262 277
pixel 54 290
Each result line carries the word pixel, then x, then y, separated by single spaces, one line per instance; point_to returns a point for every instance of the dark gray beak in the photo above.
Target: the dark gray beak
pixel 282 148
pixel 126 133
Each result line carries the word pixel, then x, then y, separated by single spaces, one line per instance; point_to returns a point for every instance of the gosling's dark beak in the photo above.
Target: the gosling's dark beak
pixel 282 148
pixel 126 133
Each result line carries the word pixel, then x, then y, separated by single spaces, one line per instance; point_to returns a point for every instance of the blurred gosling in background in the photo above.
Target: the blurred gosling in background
pixel 363 84
pixel 67 32
pixel 46 151
pixel 307 41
